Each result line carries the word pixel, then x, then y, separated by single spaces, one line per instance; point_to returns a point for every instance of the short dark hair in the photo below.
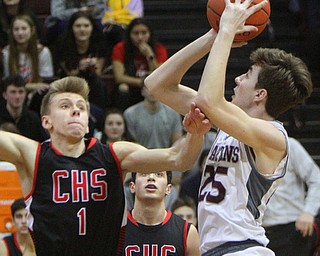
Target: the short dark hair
pixel 15 80
pixel 169 176
pixel 285 77
pixel 17 205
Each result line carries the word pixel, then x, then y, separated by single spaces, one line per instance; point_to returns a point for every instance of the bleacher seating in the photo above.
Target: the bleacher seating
pixel 41 9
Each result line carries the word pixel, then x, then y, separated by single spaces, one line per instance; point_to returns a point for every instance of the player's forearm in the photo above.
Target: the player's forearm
pixel 170 73
pixel 189 149
pixel 212 86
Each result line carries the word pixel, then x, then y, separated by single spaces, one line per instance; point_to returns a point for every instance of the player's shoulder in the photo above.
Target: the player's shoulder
pixel 3 247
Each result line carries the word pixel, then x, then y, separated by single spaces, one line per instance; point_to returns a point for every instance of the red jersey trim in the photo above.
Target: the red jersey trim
pixel 132 219
pixel 54 149
pixel 117 160
pixel 166 219
pixel 185 237
pixel 16 242
pixel 35 173
pixel 90 145
pixel 92 142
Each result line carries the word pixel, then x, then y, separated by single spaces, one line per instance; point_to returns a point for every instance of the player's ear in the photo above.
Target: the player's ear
pixel 46 123
pixel 168 189
pixel 261 94
pixel 132 187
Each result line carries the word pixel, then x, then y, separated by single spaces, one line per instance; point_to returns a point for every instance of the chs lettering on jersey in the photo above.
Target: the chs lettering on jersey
pixel 166 239
pixel 150 250
pixel 80 182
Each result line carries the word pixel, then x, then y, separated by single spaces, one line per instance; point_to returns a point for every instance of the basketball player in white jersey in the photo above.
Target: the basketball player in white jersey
pixel 250 152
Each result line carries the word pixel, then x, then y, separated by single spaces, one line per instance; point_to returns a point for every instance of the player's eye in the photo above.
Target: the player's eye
pixel 64 106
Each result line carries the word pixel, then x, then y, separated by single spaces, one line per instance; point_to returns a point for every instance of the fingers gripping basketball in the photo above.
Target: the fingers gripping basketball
pixel 259 19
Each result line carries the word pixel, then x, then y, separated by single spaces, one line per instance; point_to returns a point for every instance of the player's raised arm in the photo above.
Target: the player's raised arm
pixel 164 82
pixel 182 156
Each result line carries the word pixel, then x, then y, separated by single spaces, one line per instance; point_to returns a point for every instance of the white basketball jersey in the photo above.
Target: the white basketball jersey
pixel 233 194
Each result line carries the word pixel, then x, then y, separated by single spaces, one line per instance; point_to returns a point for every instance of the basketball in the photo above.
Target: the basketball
pixel 259 19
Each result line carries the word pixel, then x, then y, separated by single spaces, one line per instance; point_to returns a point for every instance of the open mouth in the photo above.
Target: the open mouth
pixel 151 186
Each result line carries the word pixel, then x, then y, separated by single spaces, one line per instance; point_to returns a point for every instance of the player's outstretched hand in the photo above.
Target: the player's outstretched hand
pixel 195 121
pixel 235 14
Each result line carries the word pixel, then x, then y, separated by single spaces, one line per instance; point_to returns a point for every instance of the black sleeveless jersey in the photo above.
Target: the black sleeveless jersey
pixel 77 204
pixel 166 239
pixel 12 245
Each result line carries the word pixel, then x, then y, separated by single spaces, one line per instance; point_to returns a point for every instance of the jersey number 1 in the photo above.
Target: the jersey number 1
pixel 81 214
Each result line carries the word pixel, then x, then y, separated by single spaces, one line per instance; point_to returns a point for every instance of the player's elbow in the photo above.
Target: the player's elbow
pixel 152 84
pixel 204 103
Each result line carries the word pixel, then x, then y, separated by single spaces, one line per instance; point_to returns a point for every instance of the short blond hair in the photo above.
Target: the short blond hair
pixel 70 84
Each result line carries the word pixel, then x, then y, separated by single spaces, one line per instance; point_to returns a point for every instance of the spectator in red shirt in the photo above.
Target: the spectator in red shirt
pixel 133 59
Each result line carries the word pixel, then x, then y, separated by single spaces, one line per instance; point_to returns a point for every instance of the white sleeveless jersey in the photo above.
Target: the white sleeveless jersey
pixel 233 194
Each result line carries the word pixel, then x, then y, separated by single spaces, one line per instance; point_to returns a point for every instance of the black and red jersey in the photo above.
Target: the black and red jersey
pixel 166 239
pixel 12 245
pixel 77 204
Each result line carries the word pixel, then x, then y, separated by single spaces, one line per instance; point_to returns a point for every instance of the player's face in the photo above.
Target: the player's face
pixel 20 221
pixel 21 31
pixel 186 213
pixel 140 34
pixel 152 186
pixel 82 29
pixel 245 91
pixel 68 116
pixel 114 127
pixel 15 96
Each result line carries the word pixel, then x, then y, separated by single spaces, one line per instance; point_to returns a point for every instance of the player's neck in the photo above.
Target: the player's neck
pixel 149 215
pixel 259 112
pixel 23 240
pixel 68 147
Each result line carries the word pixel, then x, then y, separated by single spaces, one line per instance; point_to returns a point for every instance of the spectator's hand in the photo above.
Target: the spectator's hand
pixel 37 87
pixel 195 121
pixel 41 87
pixel 93 61
pixel 87 63
pixel 304 224
pixel 84 63
pixel 146 50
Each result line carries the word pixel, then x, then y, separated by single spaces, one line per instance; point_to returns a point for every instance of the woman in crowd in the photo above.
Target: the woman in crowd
pixel 81 52
pixel 26 57
pixel 8 10
pixel 133 59
pixel 62 10
pixel 114 127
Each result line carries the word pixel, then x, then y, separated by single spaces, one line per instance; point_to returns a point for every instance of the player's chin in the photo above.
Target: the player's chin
pixel 77 134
